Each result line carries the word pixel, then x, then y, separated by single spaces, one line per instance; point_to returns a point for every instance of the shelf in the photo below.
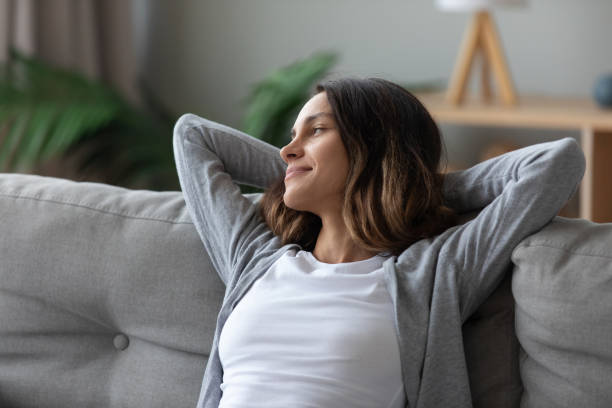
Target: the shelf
pixel 532 111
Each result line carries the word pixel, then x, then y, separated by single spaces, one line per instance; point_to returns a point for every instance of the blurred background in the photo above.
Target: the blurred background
pixel 90 89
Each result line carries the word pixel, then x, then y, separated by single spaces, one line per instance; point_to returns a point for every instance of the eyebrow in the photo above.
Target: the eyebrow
pixel 313 117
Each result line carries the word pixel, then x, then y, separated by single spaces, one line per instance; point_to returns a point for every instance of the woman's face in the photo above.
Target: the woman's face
pixel 317 160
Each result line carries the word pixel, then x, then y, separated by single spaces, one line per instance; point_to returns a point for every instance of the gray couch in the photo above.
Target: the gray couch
pixel 107 299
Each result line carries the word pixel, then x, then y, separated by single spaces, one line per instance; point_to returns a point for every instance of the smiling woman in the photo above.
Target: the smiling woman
pixel 386 194
pixel 349 282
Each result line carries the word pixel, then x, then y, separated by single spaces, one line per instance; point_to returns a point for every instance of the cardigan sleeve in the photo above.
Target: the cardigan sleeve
pixel 517 193
pixel 210 159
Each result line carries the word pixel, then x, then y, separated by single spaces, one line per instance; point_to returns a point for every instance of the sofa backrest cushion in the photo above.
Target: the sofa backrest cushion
pixel 562 285
pixel 107 298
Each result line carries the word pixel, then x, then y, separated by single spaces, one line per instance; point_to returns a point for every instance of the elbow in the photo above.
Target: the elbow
pixel 185 122
pixel 571 162
pixel 193 128
pixel 574 158
pixel 189 128
pixel 180 134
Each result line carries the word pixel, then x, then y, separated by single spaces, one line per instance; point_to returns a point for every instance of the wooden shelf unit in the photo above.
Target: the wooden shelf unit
pixel 580 114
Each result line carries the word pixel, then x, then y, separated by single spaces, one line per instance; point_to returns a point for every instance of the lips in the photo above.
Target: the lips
pixel 294 171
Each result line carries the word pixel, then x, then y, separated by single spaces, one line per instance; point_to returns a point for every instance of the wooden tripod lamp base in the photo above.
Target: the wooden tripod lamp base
pixel 481 37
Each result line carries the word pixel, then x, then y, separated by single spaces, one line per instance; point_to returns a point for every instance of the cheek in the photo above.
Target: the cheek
pixel 337 172
pixel 333 160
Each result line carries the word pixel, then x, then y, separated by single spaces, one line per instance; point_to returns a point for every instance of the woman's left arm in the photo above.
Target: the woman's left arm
pixel 519 192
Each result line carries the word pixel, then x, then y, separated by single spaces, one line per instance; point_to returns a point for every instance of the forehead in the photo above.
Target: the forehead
pixel 316 104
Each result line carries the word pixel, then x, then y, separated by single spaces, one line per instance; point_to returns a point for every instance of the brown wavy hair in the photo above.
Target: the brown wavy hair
pixel 393 193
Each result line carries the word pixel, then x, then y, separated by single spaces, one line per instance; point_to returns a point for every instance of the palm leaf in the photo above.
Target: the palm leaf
pixel 48 112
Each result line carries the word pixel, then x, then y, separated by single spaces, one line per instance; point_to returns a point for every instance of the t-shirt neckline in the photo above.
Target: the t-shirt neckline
pixel 362 266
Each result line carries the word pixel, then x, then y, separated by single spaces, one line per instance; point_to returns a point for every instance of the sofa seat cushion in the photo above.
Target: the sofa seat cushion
pixel 107 297
pixel 562 285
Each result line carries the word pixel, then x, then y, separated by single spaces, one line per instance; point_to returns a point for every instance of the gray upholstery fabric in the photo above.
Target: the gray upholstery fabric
pixel 82 263
pixel 107 299
pixel 86 266
pixel 562 285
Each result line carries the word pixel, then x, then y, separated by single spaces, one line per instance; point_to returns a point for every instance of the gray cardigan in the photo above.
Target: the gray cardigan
pixel 435 284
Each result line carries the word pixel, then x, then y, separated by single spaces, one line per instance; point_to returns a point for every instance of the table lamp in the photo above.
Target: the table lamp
pixel 480 36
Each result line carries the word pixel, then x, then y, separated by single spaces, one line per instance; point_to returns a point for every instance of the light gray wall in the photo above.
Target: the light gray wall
pixel 202 56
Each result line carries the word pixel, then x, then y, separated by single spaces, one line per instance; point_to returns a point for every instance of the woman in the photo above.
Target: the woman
pixel 349 282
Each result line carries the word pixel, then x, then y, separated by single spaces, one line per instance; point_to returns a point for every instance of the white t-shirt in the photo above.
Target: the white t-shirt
pixel 312 334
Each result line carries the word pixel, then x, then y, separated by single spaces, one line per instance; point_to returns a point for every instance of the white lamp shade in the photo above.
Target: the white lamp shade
pixel 471 5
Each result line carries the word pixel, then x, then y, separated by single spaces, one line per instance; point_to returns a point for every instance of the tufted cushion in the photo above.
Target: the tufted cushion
pixel 562 285
pixel 107 298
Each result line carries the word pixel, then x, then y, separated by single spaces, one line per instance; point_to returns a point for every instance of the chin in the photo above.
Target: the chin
pixel 294 203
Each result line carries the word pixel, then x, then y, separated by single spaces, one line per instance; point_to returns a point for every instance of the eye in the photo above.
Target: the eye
pixel 317 129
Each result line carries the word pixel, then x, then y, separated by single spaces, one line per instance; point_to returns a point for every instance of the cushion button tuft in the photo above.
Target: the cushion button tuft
pixel 121 341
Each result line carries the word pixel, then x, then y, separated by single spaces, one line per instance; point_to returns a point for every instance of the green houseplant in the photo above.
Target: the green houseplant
pixel 47 112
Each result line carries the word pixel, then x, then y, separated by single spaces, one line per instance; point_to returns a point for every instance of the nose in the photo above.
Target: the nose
pixel 292 150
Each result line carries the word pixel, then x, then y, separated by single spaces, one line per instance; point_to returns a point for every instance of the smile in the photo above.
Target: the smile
pixel 295 172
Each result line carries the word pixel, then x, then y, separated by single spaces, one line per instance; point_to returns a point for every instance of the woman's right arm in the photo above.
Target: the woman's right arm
pixel 210 159
pixel 516 194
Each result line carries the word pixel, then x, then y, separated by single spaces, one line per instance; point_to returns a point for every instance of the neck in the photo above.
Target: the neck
pixel 335 245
